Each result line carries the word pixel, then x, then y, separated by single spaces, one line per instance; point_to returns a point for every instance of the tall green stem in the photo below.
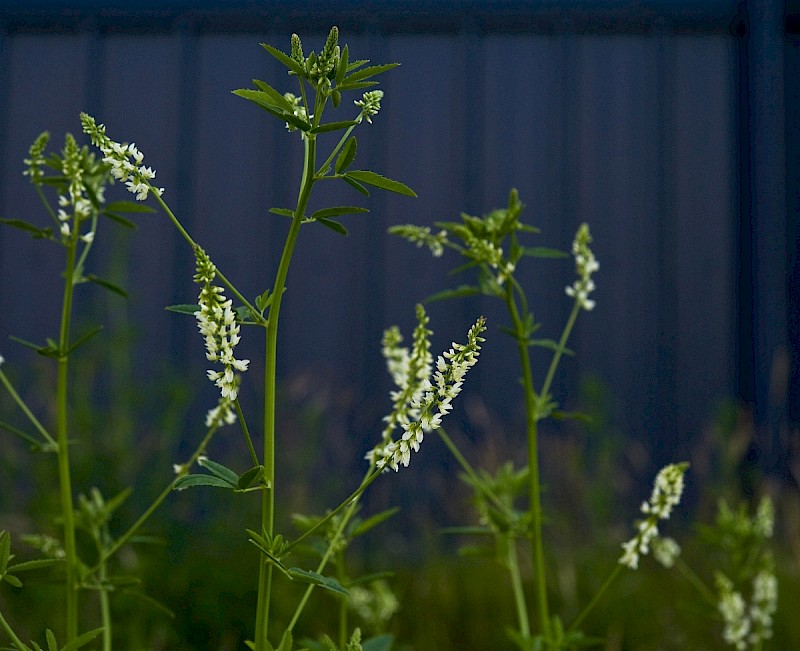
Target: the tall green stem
pixel 11 634
pixel 512 559
pixel 268 496
pixel 64 479
pixel 535 498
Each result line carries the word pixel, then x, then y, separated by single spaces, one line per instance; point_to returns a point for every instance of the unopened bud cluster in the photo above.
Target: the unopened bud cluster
pixel 423 399
pixel 125 160
pixel 370 104
pixel 216 321
pixel 422 236
pixel 585 265
pixel 667 492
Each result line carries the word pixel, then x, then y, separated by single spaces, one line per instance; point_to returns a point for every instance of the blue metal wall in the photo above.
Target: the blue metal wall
pixel 665 126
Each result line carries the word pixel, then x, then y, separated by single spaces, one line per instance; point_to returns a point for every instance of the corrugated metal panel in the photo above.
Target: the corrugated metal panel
pixel 633 130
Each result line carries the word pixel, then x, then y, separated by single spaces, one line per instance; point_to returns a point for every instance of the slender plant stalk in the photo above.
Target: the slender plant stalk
pixel 11 634
pixel 64 478
pixel 597 596
pixel 123 539
pixel 535 498
pixel 268 496
pixel 105 609
pixel 698 583
pixel 512 559
pixel 21 404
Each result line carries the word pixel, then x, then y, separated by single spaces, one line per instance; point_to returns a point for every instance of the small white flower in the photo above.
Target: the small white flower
pixel 65 229
pixel 422 400
pixel 2 359
pixel 665 551
pixel 585 265
pixel 88 237
pixel 667 492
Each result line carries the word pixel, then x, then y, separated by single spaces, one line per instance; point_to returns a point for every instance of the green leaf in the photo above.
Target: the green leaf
pixel 36 232
pixel 336 97
pixel 250 477
pixel 334 226
pixel 333 126
pixel 188 481
pixel 12 580
pixel 342 67
pixel 307 576
pixel 346 155
pixel 50 350
pixel 114 217
pixel 154 603
pixel 286 641
pixel 52 645
pixel 277 98
pixel 379 643
pixel 217 469
pixel 549 344
pixel 356 85
pixel 373 521
pixel 371 178
pixel 83 339
pixel 27 437
pixel 285 59
pixel 183 309
pixel 283 212
pixel 543 252
pixel 262 100
pixel 127 206
pixel 335 211
pixel 356 185
pixel 107 284
pixel 82 640
pixel 5 550
pixel 458 292
pixel 34 565
pixel 371 71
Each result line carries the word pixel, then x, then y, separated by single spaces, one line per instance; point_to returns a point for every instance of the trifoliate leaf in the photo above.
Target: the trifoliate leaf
pixel 277 98
pixel 286 60
pixel 127 206
pixel 366 73
pixel 82 640
pixel 218 470
pixel 36 232
pixel 371 178
pixel 326 213
pixel 308 576
pixel 284 212
pixel 334 226
pixel 188 481
pixel 373 521
pixel 356 185
pixel 346 155
pixel 107 284
pixel 250 477
pixel 333 126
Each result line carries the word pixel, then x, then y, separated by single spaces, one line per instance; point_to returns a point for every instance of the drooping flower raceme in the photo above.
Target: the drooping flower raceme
pixel 216 321
pixel 422 236
pixel 667 491
pixel 370 104
pixel 125 160
pixel 585 265
pixel 422 400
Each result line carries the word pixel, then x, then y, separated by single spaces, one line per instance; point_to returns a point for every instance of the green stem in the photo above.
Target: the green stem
pixel 512 558
pixel 691 576
pixel 246 432
pixel 370 477
pixel 64 478
pixel 270 373
pixel 325 558
pixel 254 313
pixel 535 498
pixel 51 443
pixel 562 345
pixel 11 634
pixel 123 539
pixel 465 465
pixel 105 608
pixel 603 588
pixel 336 149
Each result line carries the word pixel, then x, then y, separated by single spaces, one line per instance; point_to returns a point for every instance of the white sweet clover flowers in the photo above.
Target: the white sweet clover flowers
pixel 422 399
pixel 748 625
pixel 125 160
pixel 667 492
pixel 585 265
pixel 422 236
pixel 2 359
pixel 216 321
